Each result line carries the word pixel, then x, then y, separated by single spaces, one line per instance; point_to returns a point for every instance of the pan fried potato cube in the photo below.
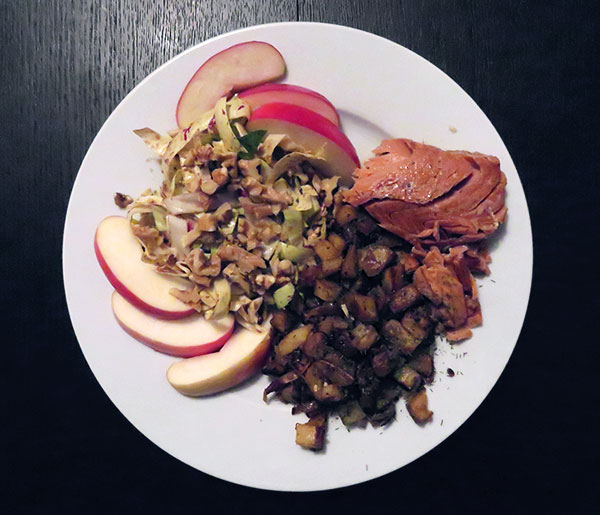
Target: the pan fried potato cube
pixel 373 259
pixel 326 250
pixel 350 264
pixel 351 413
pixel 331 266
pixel 408 377
pixel 311 435
pixel 422 363
pixel 337 241
pixel 345 214
pixel 364 336
pixel 362 307
pixel 418 407
pixel 315 345
pixel 327 290
pixel 293 340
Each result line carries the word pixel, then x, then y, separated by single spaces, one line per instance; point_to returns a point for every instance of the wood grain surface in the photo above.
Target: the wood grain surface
pixel 531 67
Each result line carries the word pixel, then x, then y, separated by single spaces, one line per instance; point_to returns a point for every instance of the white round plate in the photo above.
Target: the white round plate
pixel 381 90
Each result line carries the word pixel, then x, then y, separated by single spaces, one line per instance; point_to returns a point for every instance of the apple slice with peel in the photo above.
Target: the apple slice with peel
pixel 186 337
pixel 236 68
pixel 290 94
pixel 311 131
pixel 241 357
pixel 119 255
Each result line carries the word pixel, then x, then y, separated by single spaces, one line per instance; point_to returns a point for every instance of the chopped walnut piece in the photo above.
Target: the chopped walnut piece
pixel 122 200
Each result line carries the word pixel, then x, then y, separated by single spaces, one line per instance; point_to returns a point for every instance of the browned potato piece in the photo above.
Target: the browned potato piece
pixel 398 336
pixel 337 241
pixel 280 321
pixel 350 264
pixel 293 340
pixel 311 435
pixel 408 377
pixel 326 250
pixel 418 408
pixel 393 278
pixel 364 336
pixel 331 266
pixel 309 274
pixel 374 258
pixel 362 307
pixel 422 363
pixel 417 322
pixel 326 290
pixel 381 363
pixel 314 346
pixel 321 390
pixel 351 413
pixel 404 298
pixel 345 214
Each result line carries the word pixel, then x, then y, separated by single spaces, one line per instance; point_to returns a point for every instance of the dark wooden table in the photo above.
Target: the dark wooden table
pixel 65 65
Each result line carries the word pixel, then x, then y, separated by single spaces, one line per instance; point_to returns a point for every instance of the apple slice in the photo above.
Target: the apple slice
pixel 289 94
pixel 186 337
pixel 236 68
pixel 119 254
pixel 311 131
pixel 241 357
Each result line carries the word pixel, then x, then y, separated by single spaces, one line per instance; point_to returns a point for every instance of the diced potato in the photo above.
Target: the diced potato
pixel 351 413
pixel 350 264
pixel 393 278
pixel 326 250
pixel 418 407
pixel 381 363
pixel 417 322
pixel 408 377
pixel 281 321
pixel 362 307
pixel 364 336
pixel 314 346
pixel 399 338
pixel 320 389
pixel 326 290
pixel 345 214
pixel 293 340
pixel 404 298
pixel 337 241
pixel 331 266
pixel 374 258
pixel 311 435
pixel 422 363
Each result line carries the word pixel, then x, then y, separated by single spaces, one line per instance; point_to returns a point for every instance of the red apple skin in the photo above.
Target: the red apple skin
pixel 136 301
pixel 171 350
pixel 290 94
pixel 194 103
pixel 304 117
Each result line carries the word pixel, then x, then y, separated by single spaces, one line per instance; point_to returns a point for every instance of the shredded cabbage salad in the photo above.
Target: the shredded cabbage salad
pixel 237 213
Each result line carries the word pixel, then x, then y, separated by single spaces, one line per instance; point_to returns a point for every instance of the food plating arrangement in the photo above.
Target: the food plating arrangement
pixel 269 247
